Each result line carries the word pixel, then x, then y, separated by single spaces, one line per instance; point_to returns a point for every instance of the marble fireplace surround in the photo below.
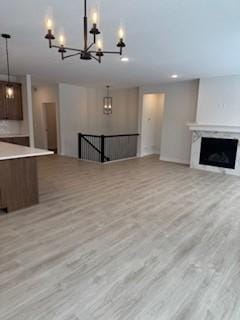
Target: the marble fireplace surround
pixel 213 131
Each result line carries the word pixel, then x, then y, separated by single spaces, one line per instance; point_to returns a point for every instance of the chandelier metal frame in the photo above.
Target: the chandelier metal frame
pixel 87 53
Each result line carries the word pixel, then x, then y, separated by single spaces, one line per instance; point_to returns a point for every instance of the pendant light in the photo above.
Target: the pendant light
pixel 9 90
pixel 107 102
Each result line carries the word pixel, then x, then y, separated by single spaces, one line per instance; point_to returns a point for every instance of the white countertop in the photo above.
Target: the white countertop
pixel 12 135
pixel 13 151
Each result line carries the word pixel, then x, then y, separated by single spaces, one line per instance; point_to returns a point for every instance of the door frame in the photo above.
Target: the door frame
pixel 142 93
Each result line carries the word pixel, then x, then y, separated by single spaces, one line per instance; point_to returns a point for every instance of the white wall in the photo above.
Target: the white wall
pixel 42 94
pixel 180 108
pixel 95 121
pixel 26 126
pixel 81 110
pixel 124 116
pixel 219 101
pixel 153 107
pixel 73 119
pixel 125 111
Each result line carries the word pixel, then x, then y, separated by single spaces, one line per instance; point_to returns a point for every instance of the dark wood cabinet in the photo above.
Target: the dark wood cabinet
pixel 18 183
pixel 11 109
pixel 22 141
pixel 3 108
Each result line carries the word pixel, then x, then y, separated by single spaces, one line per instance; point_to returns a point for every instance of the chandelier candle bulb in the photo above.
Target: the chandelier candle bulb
pixel 99 52
pixel 121 43
pixel 121 33
pixel 99 44
pixel 95 17
pixel 94 31
pixel 49 36
pixel 49 24
pixel 62 48
pixel 62 40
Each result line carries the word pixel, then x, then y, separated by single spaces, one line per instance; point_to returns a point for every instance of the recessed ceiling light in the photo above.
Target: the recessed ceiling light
pixel 124 59
pixel 174 76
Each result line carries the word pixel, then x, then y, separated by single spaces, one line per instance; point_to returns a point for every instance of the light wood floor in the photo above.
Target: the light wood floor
pixel 134 240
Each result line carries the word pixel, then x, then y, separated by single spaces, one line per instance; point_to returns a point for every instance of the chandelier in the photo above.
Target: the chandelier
pixel 9 91
pixel 87 53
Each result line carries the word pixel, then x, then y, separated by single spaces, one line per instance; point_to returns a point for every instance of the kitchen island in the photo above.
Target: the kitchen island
pixel 20 139
pixel 18 176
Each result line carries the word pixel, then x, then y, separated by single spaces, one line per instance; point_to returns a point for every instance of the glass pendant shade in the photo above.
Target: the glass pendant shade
pixel 107 105
pixel 9 92
pixel 107 102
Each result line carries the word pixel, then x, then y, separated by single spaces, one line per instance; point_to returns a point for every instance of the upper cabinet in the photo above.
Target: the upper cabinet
pixel 2 103
pixel 11 109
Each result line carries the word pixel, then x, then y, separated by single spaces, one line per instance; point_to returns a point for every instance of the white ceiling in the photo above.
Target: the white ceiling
pixel 193 38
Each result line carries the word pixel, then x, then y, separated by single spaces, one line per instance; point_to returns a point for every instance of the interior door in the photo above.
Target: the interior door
pixel 51 126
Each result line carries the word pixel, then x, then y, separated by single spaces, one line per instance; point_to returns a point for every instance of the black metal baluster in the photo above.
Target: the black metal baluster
pixel 102 148
pixel 79 145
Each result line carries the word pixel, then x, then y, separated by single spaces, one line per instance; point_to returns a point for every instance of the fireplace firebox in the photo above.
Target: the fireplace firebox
pixel 218 152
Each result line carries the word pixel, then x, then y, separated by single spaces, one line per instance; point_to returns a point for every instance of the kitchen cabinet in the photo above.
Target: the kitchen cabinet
pixel 19 178
pixel 20 140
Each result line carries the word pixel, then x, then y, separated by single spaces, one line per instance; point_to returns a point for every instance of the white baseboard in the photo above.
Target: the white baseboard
pixel 124 159
pixel 90 161
pixel 148 151
pixel 145 154
pixel 108 162
pixel 175 160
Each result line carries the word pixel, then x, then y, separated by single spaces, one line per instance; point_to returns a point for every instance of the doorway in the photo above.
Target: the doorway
pixel 152 116
pixel 51 126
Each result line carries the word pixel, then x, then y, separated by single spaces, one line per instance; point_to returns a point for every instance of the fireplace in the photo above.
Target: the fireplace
pixel 215 148
pixel 218 152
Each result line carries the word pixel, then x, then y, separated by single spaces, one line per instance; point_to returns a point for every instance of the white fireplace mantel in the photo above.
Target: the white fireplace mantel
pixel 195 126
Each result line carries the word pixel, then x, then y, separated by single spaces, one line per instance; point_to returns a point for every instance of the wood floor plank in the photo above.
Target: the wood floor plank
pixel 133 240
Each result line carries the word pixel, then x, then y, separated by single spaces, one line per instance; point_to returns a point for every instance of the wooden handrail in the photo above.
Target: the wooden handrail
pixel 110 136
